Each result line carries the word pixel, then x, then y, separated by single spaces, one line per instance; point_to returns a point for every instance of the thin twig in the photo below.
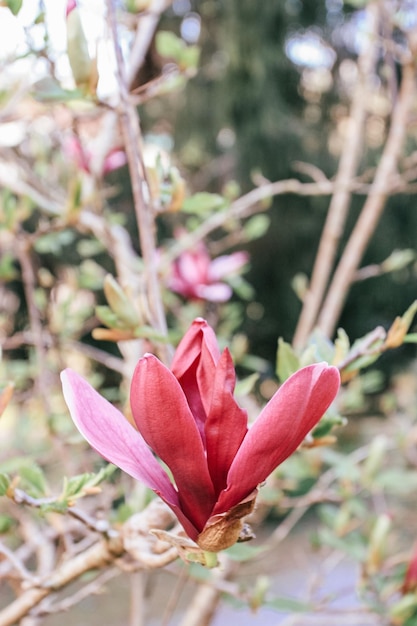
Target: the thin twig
pixel 16 563
pixel 93 588
pixel 36 327
pixel 146 27
pixel 144 211
pixel 373 207
pixel 101 554
pixel 339 204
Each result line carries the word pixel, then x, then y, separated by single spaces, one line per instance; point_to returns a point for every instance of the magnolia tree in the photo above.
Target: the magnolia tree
pixel 143 298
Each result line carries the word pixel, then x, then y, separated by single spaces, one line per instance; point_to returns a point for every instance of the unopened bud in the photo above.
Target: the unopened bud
pixel 377 543
pixel 119 302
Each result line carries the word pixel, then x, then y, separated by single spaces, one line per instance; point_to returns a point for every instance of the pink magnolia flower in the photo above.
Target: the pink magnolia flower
pixel 196 276
pixel 114 159
pixel 190 419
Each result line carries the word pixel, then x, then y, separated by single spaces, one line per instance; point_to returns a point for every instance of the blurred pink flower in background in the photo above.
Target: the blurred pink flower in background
pixel 84 159
pixel 196 276
pixel 190 419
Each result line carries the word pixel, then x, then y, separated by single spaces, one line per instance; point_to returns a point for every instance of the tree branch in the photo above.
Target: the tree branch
pixel 339 204
pixel 144 211
pixel 373 207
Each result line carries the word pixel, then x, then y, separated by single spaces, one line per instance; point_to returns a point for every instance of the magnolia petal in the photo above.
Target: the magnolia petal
pixel 205 374
pixel 282 425
pixel 110 434
pixel 188 365
pixel 107 431
pixel 192 267
pixel 163 417
pixel 215 292
pixel 226 423
pixel 223 266
pixel 189 348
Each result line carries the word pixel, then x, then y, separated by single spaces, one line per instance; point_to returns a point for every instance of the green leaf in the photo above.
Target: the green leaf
pixel 49 90
pixel 323 347
pixel 6 522
pixel 82 65
pixel 256 226
pixel 53 243
pixel 120 303
pixel 14 5
pixel 189 57
pixel 108 317
pixel 289 605
pixel 405 609
pixel 244 551
pixel 326 425
pixel 203 202
pixel 245 387
pixel 397 481
pixel 351 544
pixel 398 259
pixel 287 361
pixel 73 486
pixel 341 344
pixel 76 485
pixel 411 338
pixel 241 287
pixel 8 270
pixel 34 480
pixel 169 45
pixel 4 484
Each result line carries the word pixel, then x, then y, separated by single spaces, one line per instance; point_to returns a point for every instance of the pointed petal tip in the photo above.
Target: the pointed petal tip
pixel 200 321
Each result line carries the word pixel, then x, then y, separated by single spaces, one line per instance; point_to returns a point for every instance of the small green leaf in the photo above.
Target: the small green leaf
pixel 287 361
pixel 244 551
pixel 405 608
pixel 53 243
pixel 73 486
pixel 326 425
pixel 14 5
pixel 169 45
pixel 4 484
pixel 245 387
pixel 189 58
pixel 33 479
pixel 49 90
pixel 323 347
pixel 351 544
pixel 411 338
pixel 398 259
pixel 397 481
pixel 77 485
pixel 6 522
pixel 341 344
pixel 203 202
pixel 8 270
pixel 120 303
pixel 108 317
pixel 256 226
pixel 289 605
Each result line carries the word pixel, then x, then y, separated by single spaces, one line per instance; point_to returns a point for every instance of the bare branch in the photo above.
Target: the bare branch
pixel 373 207
pixel 144 211
pixel 339 205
